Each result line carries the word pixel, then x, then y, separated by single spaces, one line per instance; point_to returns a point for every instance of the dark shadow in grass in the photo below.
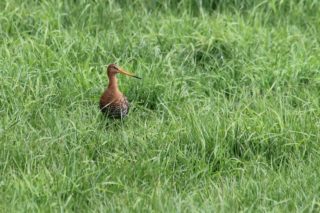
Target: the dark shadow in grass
pixel 306 77
pixel 214 53
pixel 110 124
pixel 147 95
pixel 194 8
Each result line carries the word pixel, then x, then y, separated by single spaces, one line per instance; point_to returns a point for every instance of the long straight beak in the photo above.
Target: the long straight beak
pixel 122 71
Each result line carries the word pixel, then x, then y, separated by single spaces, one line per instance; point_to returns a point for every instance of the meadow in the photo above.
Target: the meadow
pixel 226 118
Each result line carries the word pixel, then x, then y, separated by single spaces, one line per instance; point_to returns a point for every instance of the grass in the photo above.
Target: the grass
pixel 226 118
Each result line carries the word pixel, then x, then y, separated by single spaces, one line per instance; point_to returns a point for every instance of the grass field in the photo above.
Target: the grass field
pixel 226 118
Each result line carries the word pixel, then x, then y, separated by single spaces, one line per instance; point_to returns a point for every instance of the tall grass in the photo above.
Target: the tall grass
pixel 226 118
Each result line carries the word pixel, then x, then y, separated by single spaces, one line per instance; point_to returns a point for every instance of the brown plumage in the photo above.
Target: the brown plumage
pixel 112 102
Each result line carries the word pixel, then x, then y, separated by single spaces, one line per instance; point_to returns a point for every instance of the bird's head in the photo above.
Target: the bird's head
pixel 114 69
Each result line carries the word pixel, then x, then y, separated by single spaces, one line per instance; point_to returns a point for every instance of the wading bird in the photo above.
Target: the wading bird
pixel 112 102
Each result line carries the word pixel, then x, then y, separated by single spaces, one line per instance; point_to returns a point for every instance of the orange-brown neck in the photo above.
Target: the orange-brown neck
pixel 113 83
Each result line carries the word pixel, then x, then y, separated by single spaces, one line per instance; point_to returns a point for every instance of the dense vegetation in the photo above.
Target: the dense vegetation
pixel 226 118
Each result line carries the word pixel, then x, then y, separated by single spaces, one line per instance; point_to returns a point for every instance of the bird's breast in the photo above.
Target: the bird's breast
pixel 114 105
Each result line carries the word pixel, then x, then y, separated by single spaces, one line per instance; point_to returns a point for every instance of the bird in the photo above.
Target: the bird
pixel 113 103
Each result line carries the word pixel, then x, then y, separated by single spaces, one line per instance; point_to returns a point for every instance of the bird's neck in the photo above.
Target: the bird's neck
pixel 113 83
